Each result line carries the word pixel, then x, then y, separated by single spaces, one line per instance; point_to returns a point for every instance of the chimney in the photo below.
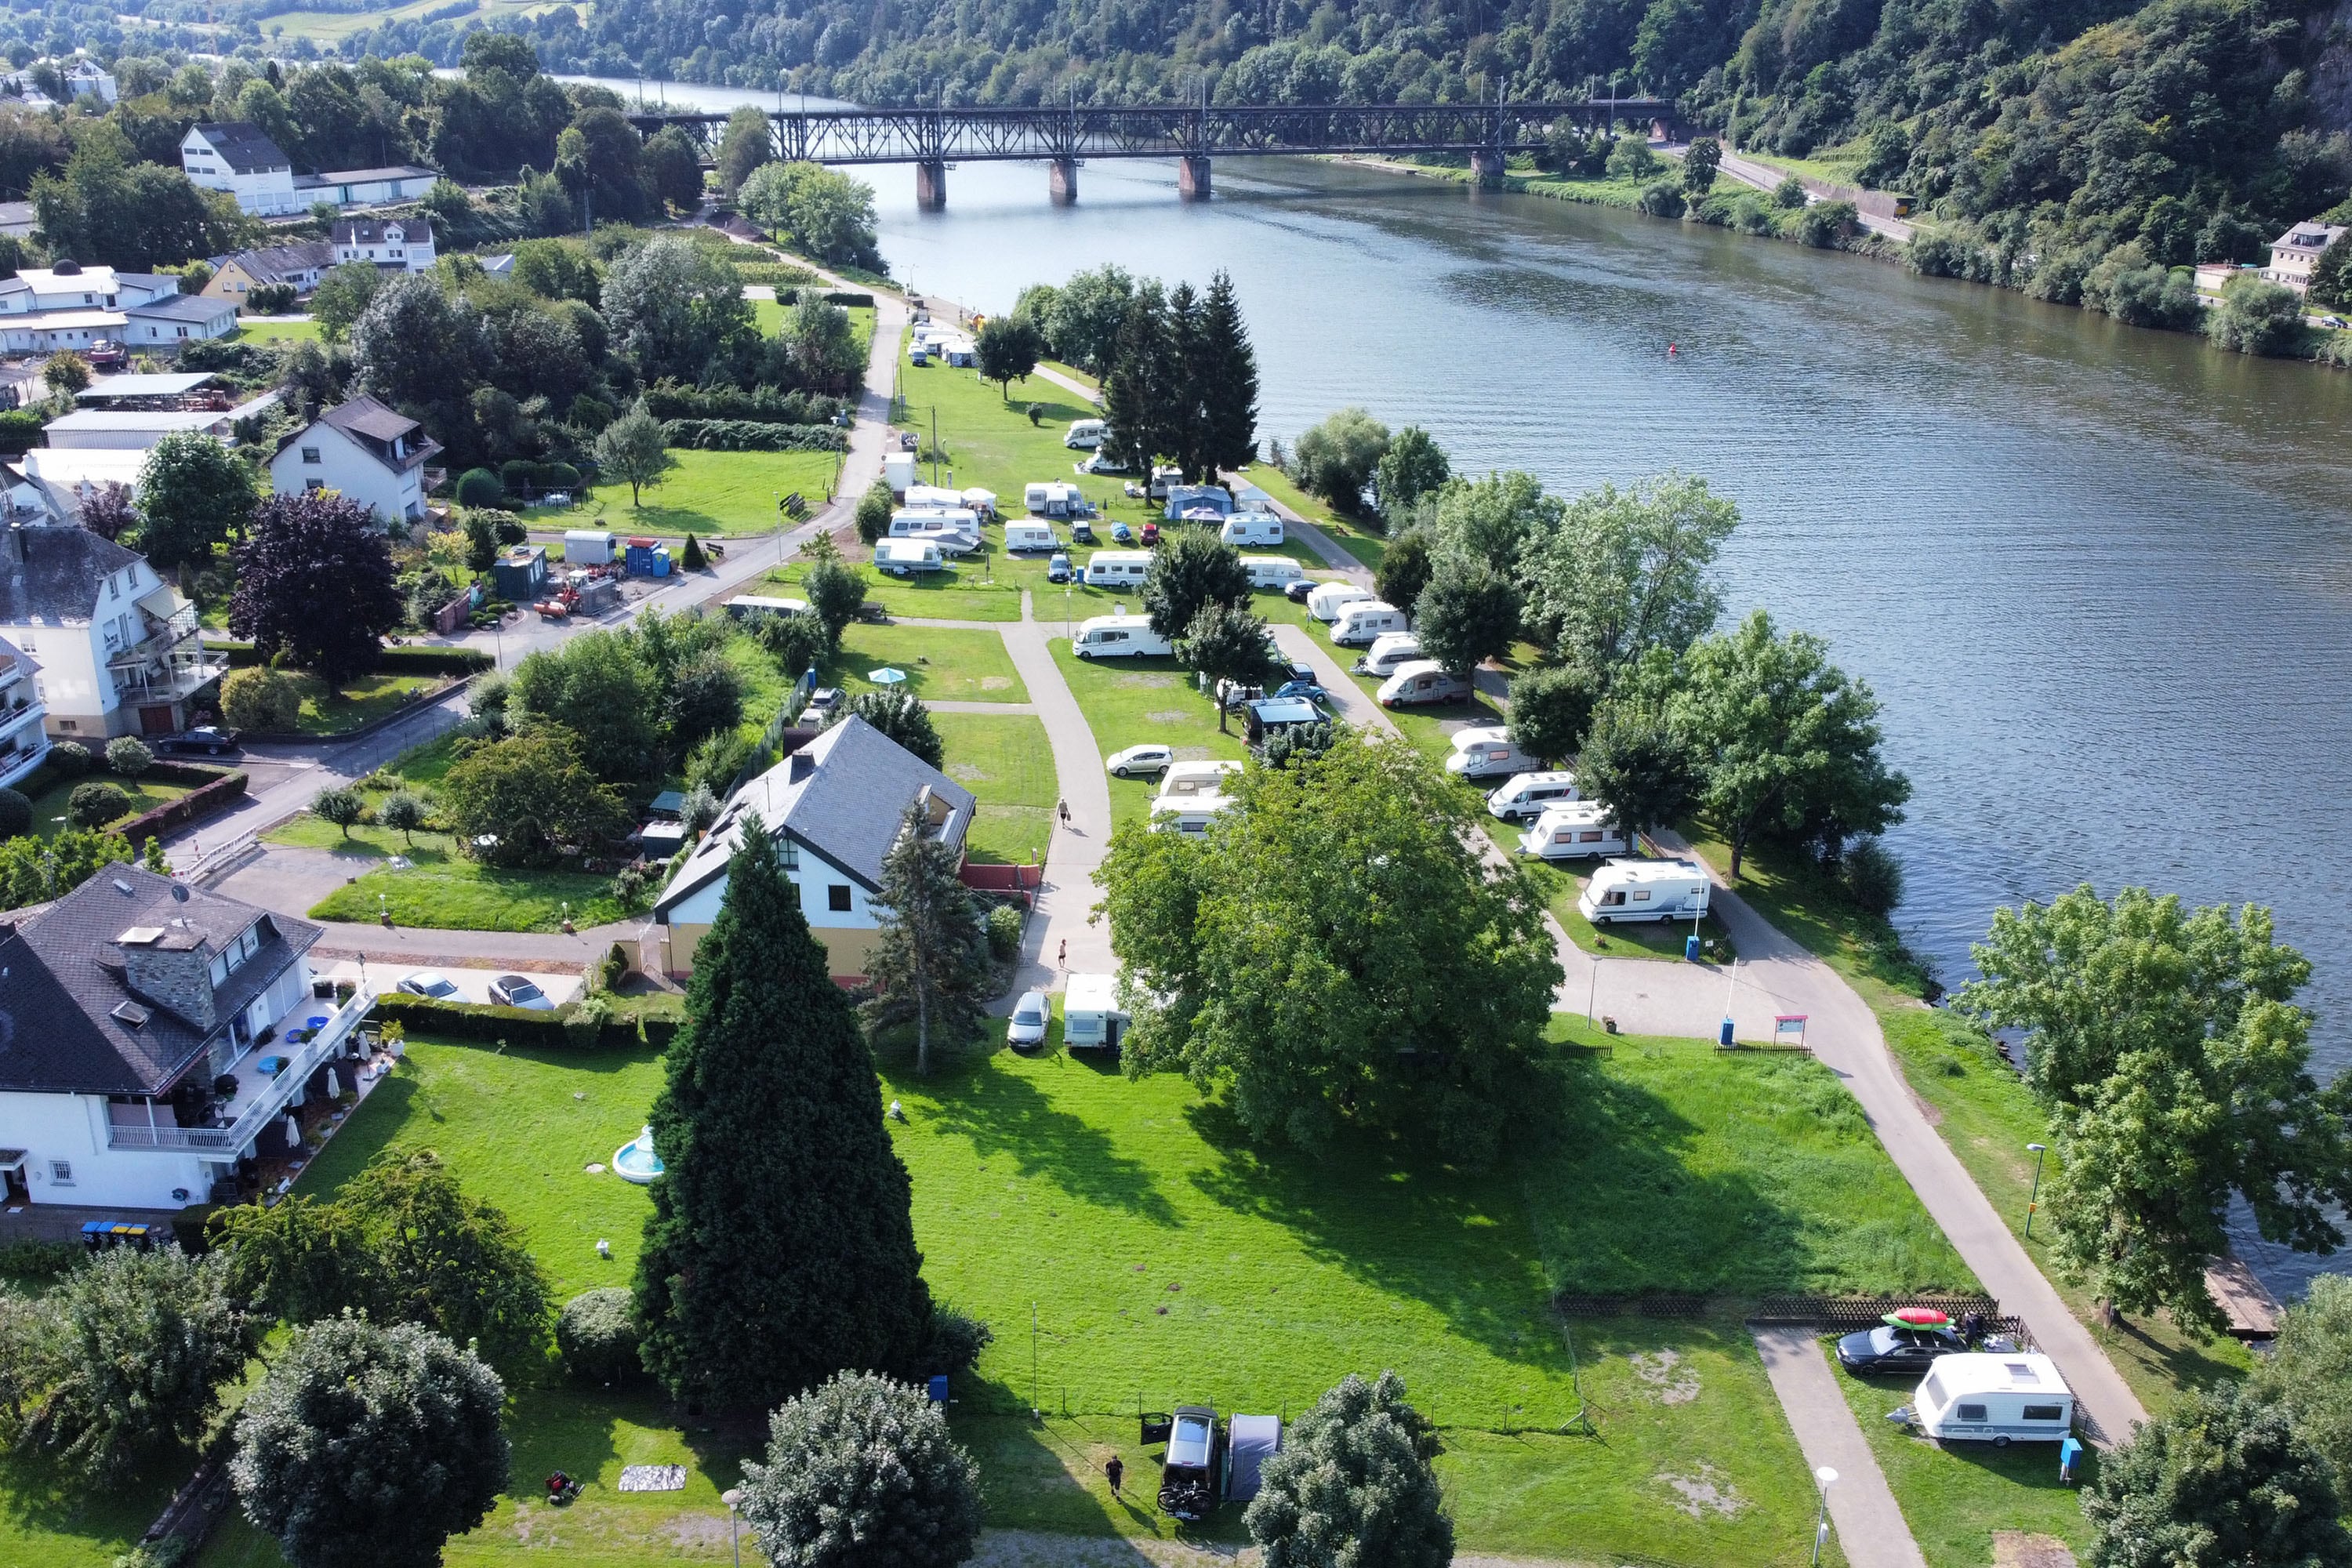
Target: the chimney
pixel 16 544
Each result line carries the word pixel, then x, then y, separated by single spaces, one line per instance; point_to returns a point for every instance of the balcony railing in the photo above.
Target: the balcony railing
pixel 170 661
pixel 232 1141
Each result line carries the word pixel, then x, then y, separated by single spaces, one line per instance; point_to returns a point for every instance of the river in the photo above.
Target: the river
pixel 2097 575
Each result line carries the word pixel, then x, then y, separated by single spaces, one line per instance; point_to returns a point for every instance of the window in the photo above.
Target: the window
pixel 1642 896
pixel 310 454
pixel 1591 835
pixel 314 484
pixel 1969 1413
pixel 113 588
pixel 836 898
pixel 220 970
pixel 788 855
pixel 2045 1413
pixel 61 1172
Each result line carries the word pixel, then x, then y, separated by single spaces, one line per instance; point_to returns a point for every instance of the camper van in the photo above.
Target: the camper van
pixel 1487 751
pixel 1053 497
pixel 1365 622
pixel 1092 1018
pixel 1084 435
pixel 587 547
pixel 1326 601
pixel 1164 477
pixel 1420 681
pixel 1625 890
pixel 1276 571
pixel 905 557
pixel 1117 568
pixel 1389 653
pixel 1193 780
pixel 1027 533
pixel 1252 528
pixel 745 606
pixel 1191 817
pixel 2012 1397
pixel 954 532
pixel 1118 637
pixel 1572 830
pixel 1525 795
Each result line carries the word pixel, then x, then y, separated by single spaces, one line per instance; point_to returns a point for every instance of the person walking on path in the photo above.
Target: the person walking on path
pixel 1062 809
pixel 1063 958
pixel 1116 1472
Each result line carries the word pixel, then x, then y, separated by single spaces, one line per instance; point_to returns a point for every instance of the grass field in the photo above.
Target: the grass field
pixel 443 890
pixel 942 664
pixel 1129 701
pixel 942 596
pixel 274 332
pixel 1006 762
pixel 326 712
pixel 709 492
pixel 49 805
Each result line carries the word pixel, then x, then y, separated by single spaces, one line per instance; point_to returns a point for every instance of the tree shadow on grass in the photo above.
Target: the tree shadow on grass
pixel 40 1496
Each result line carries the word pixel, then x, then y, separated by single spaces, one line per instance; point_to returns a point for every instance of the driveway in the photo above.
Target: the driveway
pixel 473 983
pixel 1870 1526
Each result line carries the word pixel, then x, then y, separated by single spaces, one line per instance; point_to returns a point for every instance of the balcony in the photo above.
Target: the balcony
pixel 167 664
pixel 260 1099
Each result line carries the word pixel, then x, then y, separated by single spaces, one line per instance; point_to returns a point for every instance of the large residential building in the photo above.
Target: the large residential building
pixel 155 1040
pixel 389 244
pixel 2294 253
pixel 44 309
pixel 24 735
pixel 367 187
pixel 360 449
pixel 239 157
pixel 834 806
pixel 118 650
pixel 301 264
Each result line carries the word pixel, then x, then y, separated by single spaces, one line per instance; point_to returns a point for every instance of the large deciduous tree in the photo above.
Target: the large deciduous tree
pixel 1467 614
pixel 1414 466
pixel 370 1448
pixel 1551 710
pixel 1636 760
pixel 1226 642
pixel 2308 1374
pixel 1788 744
pixel 195 495
pixel 821 212
pixel 1008 347
pixel 678 310
pixel 529 795
pixel 1338 457
pixel 2219 1480
pixel 1404 569
pixel 1493 520
pixel 861 1471
pixel 1336 951
pixel 1192 569
pixel 2175 1066
pixel 413 349
pixel 598 687
pixel 634 448
pixel 315 581
pixel 1087 314
pixel 749 140
pixel 929 962
pixel 1353 1485
pixel 1625 570
pixel 343 296
pixel 781 1248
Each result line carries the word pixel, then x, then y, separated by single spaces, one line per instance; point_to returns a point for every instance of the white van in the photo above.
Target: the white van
pixel 1271 571
pixel 1573 830
pixel 904 557
pixel 1118 637
pixel 1365 622
pixel 1192 818
pixel 1117 568
pixel 2012 1396
pixel 1184 780
pixel 1625 890
pixel 1420 681
pixel 1326 603
pixel 1524 795
pixel 1027 533
pixel 1252 528
pixel 1092 1018
pixel 1053 497
pixel 1391 651
pixel 1084 435
pixel 1486 751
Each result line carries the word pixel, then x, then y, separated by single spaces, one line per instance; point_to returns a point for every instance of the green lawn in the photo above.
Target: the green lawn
pixel 1008 763
pixel 49 804
pixel 447 891
pixel 50 1523
pixel 1954 1497
pixel 1358 540
pixel 1129 701
pixel 274 332
pixel 942 664
pixel 709 492
pixel 326 712
pixel 423 767
pixel 941 596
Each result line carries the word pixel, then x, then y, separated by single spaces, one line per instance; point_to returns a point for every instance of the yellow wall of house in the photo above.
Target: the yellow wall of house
pixel 847 949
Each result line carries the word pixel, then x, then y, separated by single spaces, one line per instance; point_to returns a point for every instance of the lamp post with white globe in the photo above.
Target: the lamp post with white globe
pixel 1828 1478
pixel 733 1498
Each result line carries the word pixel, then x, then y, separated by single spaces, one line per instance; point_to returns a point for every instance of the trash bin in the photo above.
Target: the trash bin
pixel 2069 1452
pixel 1690 948
pixel 938 1388
pixel 1723 1035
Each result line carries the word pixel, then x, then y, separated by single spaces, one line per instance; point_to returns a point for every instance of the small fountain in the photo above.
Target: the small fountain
pixel 636 1160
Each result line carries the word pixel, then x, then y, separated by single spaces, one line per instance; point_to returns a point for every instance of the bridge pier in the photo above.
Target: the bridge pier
pixel 1487 167
pixel 1192 178
pixel 1062 181
pixel 931 186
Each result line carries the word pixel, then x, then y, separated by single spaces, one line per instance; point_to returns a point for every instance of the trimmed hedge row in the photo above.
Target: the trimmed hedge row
pixel 195 773
pixel 194 807
pixel 775 274
pixel 760 405
pixel 519 1026
pixel 20 430
pixel 744 435
pixel 391 661
pixel 841 297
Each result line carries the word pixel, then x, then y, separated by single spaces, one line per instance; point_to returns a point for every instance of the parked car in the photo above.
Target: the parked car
pixel 106 355
pixel 1311 690
pixel 1137 759
pixel 1121 534
pixel 205 739
pixel 1030 1016
pixel 1150 534
pixel 430 983
pixel 1889 1351
pixel 1297 592
pixel 1083 533
pixel 823 701
pixel 1057 570
pixel 514 990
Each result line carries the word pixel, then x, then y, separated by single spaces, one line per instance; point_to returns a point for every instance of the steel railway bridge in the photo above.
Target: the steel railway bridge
pixel 1193 134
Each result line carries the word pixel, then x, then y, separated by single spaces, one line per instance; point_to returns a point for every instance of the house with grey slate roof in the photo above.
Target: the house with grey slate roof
pixel 153 1037
pixel 118 650
pixel 834 807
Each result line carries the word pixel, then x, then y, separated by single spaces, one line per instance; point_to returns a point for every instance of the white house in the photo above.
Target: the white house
pixel 389 244
pixel 70 286
pixel 137 429
pixel 87 76
pixel 367 187
pixel 158 1037
pixel 52 484
pixel 302 265
pixel 69 306
pixel 118 650
pixel 834 807
pixel 2294 253
pixel 360 449
pixel 238 157
pixel 23 737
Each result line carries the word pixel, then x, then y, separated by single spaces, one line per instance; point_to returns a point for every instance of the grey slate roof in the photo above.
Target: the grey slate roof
pixel 276 262
pixel 370 230
pixel 365 176
pixel 194 307
pixel 50 576
pixel 245 146
pixel 841 795
pixel 376 426
pixel 61 979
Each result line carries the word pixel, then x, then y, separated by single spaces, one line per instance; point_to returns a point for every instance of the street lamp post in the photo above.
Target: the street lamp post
pixel 1828 1478
pixel 733 1498
pixel 2038 1152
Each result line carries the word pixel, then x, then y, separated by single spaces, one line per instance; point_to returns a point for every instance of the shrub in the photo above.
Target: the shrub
pixel 341 806
pixel 614 968
pixel 714 762
pixel 1003 930
pixel 69 759
pixel 270 299
pixel 1661 198
pixel 128 755
pixel 598 1335
pixel 16 813
pixel 95 804
pixel 874 510
pixel 2256 318
pixel 1036 411
pixel 744 435
pixel 260 698
pixel 403 813
pixel 862 1469
pixel 955 1343
pixel 1822 225
pixel 480 487
pixel 693 559
pixel 1790 193
pixel 1872 876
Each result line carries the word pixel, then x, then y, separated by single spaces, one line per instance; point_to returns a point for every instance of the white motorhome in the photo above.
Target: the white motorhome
pixel 1185 781
pixel 1163 476
pixel 1367 621
pixel 1054 498
pixel 904 557
pixel 588 546
pixel 1326 603
pixel 1271 571
pixel 1092 1018
pixel 1572 830
pixel 1625 890
pixel 1389 653
pixel 1118 637
pixel 2012 1396
pixel 1524 795
pixel 744 606
pixel 1191 817
pixel 1252 528
pixel 1487 751
pixel 1420 681
pixel 1028 533
pixel 1117 568
pixel 1084 434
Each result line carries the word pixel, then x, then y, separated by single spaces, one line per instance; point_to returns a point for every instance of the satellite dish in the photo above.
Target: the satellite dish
pixel 179 893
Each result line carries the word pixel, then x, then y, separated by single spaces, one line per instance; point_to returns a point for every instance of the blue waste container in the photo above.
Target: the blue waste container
pixel 2068 1452
pixel 1723 1035
pixel 1690 948
pixel 939 1388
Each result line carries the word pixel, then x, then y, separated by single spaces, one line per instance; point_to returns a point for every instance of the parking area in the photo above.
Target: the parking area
pixel 473 983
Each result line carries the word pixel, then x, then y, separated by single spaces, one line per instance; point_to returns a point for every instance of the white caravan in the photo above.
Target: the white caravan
pixel 1092 1018
pixel 1026 533
pixel 1186 781
pixel 905 557
pixel 2012 1396
pixel 1117 568
pixel 1054 498
pixel 1525 795
pixel 1118 637
pixel 1625 890
pixel 1191 817
pixel 1271 571
pixel 587 547
pixel 1487 751
pixel 1572 830
pixel 1252 528
pixel 1367 621
pixel 1084 434
pixel 1326 603
pixel 1420 681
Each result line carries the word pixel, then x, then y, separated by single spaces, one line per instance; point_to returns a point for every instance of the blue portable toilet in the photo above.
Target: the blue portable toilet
pixel 1723 1035
pixel 2069 1452
pixel 938 1388
pixel 1690 948
pixel 637 557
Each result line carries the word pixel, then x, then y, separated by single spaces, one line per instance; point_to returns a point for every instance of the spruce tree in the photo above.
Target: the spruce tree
pixel 1230 388
pixel 1190 377
pixel 930 956
pixel 781 1245
pixel 1137 390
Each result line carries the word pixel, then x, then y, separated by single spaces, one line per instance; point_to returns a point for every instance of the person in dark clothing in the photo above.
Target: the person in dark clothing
pixel 1116 1472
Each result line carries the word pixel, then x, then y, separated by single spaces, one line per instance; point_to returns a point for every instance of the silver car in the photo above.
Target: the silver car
pixel 431 983
pixel 1031 1016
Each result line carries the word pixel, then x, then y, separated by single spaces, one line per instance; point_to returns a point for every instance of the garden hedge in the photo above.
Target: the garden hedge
pixel 194 807
pixel 760 406
pixel 744 435
pixel 518 1026
pixel 391 661
pixel 843 297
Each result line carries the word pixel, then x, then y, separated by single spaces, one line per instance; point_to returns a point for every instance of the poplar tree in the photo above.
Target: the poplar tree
pixel 781 1248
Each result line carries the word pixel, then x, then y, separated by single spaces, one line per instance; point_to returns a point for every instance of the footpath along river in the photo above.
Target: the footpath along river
pixel 2101 578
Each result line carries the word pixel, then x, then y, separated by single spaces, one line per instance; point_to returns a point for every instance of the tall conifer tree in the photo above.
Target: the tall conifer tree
pixel 1229 394
pixel 782 1245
